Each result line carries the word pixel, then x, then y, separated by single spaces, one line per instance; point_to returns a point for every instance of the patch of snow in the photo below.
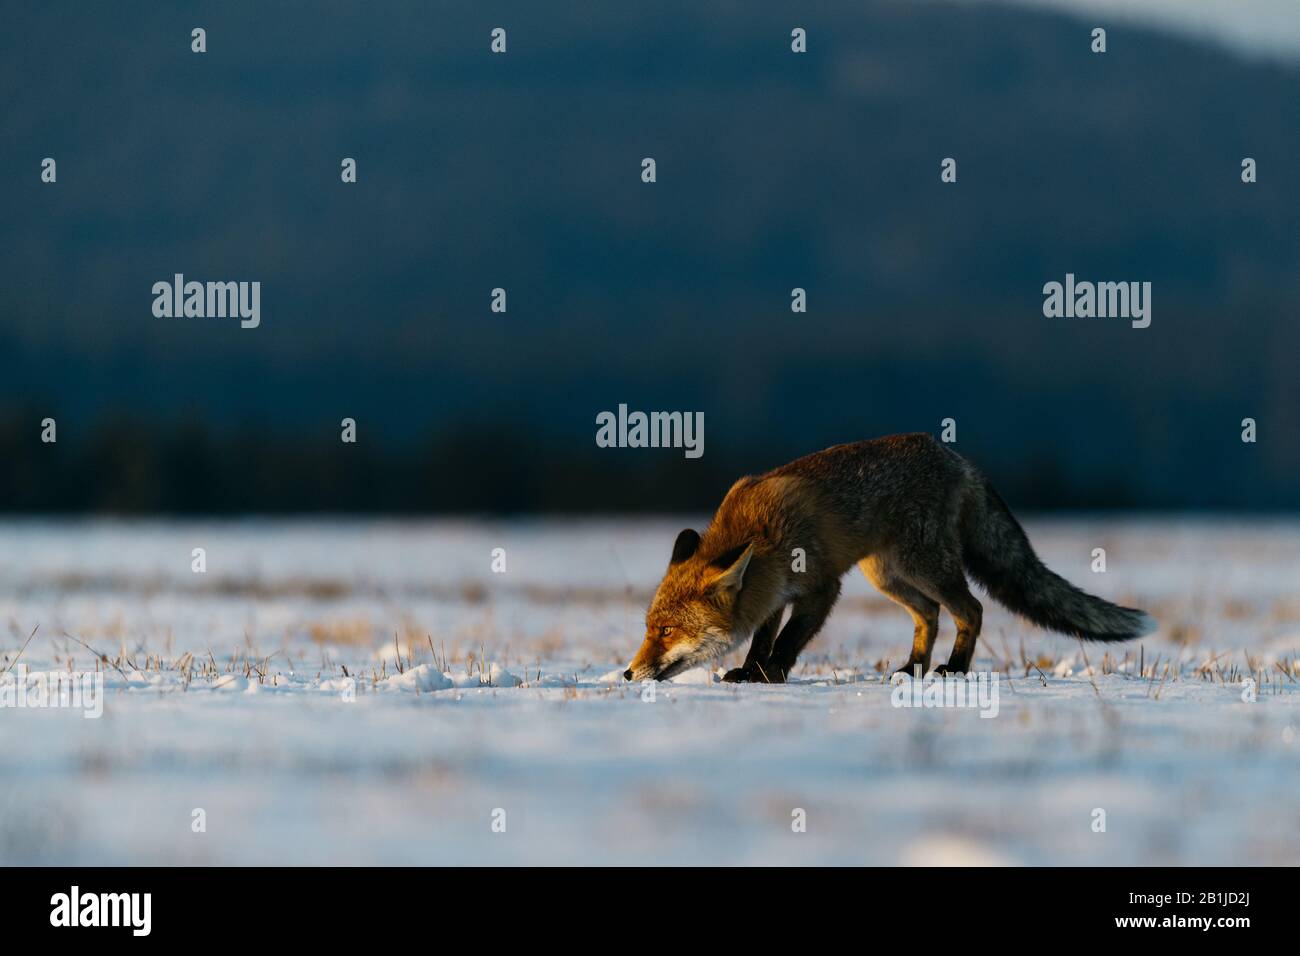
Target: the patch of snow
pixel 423 677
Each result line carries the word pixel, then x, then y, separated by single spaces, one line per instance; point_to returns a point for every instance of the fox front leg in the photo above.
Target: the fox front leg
pixel 757 666
pixel 807 615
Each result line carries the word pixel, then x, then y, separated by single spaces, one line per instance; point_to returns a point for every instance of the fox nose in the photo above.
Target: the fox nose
pixel 627 674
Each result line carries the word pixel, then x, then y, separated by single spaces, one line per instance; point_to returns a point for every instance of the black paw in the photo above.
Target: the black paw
pixel 909 670
pixel 952 670
pixel 753 674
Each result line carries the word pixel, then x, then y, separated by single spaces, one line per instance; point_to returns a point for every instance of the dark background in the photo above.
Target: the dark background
pixel 523 171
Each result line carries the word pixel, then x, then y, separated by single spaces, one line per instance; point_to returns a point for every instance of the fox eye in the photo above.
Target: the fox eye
pixel 665 630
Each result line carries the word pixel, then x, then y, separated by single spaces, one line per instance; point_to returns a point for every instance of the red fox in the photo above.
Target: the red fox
pixel 914 515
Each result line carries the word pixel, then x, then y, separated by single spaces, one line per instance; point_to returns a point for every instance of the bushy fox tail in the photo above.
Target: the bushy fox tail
pixel 999 556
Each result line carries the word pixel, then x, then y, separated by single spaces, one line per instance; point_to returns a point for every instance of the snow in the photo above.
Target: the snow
pixel 371 692
pixel 425 678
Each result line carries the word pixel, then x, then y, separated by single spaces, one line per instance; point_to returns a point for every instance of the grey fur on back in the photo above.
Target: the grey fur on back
pixel 918 499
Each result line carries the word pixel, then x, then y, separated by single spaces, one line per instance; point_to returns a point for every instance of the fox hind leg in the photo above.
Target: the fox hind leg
pixel 924 611
pixel 951 591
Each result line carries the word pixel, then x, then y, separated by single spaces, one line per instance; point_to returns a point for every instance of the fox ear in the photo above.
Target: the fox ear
pixel 733 574
pixel 687 543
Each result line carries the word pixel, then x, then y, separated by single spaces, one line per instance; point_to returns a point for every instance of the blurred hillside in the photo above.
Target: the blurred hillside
pixel 522 171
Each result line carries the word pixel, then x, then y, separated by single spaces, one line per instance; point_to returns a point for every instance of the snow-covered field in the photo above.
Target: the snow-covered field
pixel 361 692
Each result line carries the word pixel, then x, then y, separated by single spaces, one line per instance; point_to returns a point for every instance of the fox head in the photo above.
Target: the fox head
pixel 692 618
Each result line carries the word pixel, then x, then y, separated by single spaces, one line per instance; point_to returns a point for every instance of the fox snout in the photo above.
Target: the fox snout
pixel 652 672
pixel 662 655
pixel 646 665
pixel 667 652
